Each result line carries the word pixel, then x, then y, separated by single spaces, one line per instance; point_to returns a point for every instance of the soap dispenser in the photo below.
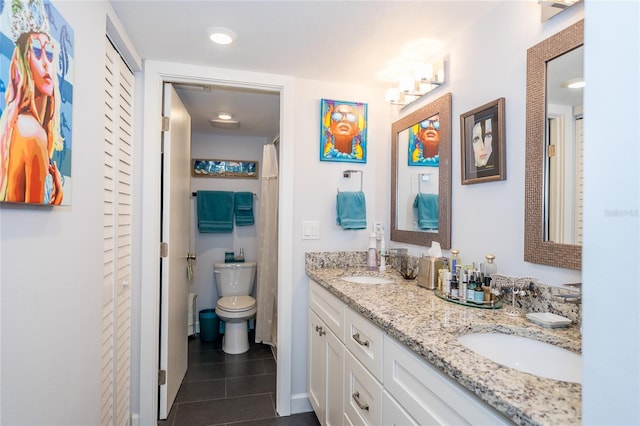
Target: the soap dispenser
pixel 372 261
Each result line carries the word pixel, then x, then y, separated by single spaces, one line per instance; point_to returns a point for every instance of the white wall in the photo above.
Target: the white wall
pixel 210 248
pixel 51 265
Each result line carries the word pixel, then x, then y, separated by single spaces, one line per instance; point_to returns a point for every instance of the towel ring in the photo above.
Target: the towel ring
pixel 420 177
pixel 347 174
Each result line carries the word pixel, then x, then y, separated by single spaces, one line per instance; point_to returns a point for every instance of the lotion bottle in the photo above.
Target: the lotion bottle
pixel 372 262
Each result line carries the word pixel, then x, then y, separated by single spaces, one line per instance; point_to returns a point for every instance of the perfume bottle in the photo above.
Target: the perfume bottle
pixel 489 267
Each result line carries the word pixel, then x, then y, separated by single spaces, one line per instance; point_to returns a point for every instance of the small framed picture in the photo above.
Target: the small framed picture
pixel 343 131
pixel 483 146
pixel 224 168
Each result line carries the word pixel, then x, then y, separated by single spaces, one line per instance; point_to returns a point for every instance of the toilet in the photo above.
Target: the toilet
pixel 235 305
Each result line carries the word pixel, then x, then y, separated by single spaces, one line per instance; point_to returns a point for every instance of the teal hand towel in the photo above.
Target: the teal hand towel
pixel 427 210
pixel 215 211
pixel 351 209
pixel 243 202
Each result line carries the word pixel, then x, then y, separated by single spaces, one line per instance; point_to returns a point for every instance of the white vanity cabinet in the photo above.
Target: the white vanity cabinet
pixel 326 355
pixel 359 375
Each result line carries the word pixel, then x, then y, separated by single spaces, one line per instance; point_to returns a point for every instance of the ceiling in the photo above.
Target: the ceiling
pixel 348 42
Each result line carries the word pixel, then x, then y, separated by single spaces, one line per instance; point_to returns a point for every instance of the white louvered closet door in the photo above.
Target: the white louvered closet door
pixel 116 331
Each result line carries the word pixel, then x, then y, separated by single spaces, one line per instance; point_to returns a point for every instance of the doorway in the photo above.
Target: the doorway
pixel 154 75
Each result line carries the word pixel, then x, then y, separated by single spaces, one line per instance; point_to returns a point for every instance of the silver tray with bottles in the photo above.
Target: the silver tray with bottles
pixel 493 304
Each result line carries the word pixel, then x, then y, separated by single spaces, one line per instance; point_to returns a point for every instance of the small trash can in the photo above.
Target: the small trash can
pixel 209 325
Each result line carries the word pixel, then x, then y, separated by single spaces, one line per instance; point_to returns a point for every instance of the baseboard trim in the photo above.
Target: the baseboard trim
pixel 300 403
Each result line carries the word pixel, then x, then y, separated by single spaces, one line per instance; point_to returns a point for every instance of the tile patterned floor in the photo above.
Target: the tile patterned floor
pixel 238 390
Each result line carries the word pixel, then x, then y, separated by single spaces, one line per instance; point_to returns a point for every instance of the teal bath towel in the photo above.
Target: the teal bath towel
pixel 351 209
pixel 427 210
pixel 244 208
pixel 215 211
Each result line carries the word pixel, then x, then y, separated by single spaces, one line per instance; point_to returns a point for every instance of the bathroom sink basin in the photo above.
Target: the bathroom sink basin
pixel 366 279
pixel 527 355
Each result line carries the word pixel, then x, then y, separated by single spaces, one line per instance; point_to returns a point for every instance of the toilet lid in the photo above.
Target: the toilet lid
pixel 236 303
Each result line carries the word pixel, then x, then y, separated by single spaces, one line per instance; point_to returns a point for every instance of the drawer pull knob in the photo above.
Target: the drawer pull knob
pixel 320 330
pixel 356 337
pixel 356 398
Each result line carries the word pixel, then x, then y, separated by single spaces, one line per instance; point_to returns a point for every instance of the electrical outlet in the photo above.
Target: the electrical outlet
pixel 377 228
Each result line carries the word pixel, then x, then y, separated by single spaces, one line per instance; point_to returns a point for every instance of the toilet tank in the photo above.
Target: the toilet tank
pixel 234 279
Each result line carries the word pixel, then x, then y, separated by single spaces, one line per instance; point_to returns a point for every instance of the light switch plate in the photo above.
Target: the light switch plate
pixel 310 230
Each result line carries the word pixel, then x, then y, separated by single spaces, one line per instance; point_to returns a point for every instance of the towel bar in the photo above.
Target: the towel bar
pixel 195 194
pixel 421 177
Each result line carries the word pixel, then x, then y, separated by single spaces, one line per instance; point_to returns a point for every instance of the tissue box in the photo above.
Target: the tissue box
pixel 428 268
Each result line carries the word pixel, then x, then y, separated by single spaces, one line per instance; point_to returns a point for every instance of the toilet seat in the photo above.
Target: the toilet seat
pixel 236 307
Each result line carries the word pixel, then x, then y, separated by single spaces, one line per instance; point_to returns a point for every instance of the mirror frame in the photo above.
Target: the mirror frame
pixel 441 106
pixel 536 249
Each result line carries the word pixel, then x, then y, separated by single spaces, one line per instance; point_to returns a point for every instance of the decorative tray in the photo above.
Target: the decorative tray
pixel 494 304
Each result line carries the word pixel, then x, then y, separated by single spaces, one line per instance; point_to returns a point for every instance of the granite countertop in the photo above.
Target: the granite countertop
pixel 430 326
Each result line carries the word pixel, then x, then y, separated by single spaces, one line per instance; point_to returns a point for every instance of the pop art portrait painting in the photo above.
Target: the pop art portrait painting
pixel 424 142
pixel 343 131
pixel 36 97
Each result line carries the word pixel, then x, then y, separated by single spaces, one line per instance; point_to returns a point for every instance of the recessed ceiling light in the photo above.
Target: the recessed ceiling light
pixel 221 35
pixel 224 116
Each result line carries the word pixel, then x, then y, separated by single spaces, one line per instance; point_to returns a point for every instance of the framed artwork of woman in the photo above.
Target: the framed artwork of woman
pixel 36 61
pixel 343 131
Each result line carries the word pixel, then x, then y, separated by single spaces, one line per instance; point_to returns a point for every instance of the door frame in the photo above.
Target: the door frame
pixel 155 74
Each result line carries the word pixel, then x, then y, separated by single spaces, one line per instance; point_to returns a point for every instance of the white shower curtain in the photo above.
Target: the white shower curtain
pixel 267 279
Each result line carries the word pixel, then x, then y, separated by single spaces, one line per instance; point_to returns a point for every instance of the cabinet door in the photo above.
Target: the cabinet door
pixel 428 395
pixel 334 354
pixel 326 369
pixel 393 414
pixel 317 373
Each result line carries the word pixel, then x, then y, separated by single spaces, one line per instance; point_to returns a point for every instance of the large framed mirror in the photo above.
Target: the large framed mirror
pixel 553 183
pixel 421 175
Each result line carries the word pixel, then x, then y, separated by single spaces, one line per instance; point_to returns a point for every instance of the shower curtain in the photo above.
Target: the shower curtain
pixel 267 279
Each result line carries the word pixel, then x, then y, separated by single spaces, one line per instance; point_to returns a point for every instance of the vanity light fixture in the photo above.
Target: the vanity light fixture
pixel 221 35
pixel 423 78
pixel 550 8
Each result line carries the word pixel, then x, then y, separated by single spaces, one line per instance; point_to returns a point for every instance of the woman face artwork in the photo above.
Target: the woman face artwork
pixel 344 121
pixel 40 60
pixel 482 142
pixel 429 135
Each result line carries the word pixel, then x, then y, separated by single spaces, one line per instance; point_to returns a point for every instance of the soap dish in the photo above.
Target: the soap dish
pixel 547 319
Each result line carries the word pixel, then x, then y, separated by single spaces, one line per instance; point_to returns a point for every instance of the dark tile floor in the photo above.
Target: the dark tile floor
pixel 238 390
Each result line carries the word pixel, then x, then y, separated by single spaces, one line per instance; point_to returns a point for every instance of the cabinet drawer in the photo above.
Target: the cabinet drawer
pixel 364 340
pixel 362 394
pixel 428 395
pixel 328 307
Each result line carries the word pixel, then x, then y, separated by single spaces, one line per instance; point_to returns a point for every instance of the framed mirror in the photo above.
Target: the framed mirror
pixel 421 175
pixel 553 168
